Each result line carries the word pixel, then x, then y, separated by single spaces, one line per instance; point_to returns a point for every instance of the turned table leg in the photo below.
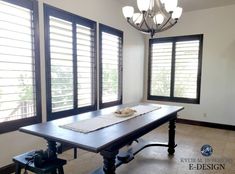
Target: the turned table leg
pixel 109 158
pixel 51 145
pixel 171 142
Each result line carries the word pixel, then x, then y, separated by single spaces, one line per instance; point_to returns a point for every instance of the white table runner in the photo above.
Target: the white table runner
pixel 101 121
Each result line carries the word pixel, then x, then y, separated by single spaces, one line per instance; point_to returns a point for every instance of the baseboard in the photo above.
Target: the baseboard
pixel 206 124
pixel 9 169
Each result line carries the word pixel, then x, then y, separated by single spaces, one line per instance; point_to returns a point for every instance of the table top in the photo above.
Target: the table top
pixel 101 139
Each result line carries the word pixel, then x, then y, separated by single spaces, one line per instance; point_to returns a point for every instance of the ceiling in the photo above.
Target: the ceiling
pixel 191 5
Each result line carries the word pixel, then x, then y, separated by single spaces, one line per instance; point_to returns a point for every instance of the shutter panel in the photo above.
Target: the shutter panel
pixel 72 64
pixel 161 60
pixel 17 71
pixel 111 57
pixel 186 69
pixel 85 66
pixel 61 54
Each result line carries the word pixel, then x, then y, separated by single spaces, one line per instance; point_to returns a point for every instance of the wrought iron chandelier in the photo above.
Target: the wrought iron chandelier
pixel 155 15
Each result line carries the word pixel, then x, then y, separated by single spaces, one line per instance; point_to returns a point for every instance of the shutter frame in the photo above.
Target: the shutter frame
pixel 119 34
pixel 172 98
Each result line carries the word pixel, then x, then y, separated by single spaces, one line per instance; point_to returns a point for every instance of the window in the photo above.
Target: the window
pixel 175 69
pixel 70 63
pixel 20 102
pixel 111 41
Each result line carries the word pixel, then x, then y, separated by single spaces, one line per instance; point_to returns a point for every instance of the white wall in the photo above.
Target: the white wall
pixel 218 66
pixel 103 11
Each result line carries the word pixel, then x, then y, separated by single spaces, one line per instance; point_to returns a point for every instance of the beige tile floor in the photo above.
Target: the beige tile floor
pixel 155 160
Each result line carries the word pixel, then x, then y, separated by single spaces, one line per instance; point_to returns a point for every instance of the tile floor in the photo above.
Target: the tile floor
pixel 155 160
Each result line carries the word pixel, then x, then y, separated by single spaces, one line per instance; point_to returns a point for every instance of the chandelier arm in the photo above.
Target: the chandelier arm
pixel 146 21
pixel 167 27
pixel 161 8
pixel 171 22
pixel 159 5
pixel 142 22
pixel 136 27
pixel 166 22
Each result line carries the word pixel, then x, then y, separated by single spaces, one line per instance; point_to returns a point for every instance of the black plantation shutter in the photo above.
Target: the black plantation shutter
pixel 186 69
pixel 175 69
pixel 61 54
pixel 19 65
pixel 17 87
pixel 161 60
pixel 71 63
pixel 86 72
pixel 110 66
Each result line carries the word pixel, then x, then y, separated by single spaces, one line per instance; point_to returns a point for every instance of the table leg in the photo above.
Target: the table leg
pixel 51 145
pixel 18 168
pixel 171 142
pixel 109 158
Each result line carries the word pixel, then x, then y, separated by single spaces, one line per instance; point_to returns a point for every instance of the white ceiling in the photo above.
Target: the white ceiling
pixel 190 5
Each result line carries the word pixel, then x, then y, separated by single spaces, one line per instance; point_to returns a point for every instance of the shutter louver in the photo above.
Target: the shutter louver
pixel 186 69
pixel 85 66
pixel 61 54
pixel 161 59
pixel 17 63
pixel 111 55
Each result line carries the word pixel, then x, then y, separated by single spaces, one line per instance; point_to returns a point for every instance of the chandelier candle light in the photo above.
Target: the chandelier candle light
pixel 155 15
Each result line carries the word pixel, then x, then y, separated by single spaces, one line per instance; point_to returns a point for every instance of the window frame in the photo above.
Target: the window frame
pixel 74 19
pixel 16 124
pixel 174 40
pixel 119 33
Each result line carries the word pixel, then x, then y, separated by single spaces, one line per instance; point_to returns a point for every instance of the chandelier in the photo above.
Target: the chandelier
pixel 155 15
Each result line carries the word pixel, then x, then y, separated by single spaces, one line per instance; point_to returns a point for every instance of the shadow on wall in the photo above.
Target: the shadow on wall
pixel 229 57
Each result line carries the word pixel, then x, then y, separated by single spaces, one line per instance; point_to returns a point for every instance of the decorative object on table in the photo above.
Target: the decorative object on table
pixel 105 120
pixel 125 112
pixel 155 15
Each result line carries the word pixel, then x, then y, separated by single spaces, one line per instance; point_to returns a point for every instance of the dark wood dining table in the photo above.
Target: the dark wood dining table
pixel 109 140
